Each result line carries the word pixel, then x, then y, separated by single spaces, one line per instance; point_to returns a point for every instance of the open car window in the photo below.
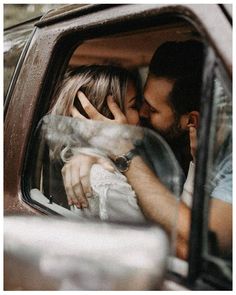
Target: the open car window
pixel 60 138
pixel 219 178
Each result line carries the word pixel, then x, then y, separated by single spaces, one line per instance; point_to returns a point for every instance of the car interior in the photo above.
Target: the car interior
pixel 130 49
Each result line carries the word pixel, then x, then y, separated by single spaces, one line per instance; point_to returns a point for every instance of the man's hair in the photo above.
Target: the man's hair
pixel 181 62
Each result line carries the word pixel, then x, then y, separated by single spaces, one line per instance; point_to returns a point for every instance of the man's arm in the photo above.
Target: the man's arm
pixel 159 204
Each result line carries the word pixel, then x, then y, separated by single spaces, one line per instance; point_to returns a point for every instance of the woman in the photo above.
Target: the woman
pixel 112 197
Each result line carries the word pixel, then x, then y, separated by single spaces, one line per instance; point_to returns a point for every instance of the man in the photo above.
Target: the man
pixel 171 107
pixel 172 94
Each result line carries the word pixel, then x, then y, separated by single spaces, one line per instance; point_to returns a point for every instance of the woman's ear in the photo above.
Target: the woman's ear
pixel 193 119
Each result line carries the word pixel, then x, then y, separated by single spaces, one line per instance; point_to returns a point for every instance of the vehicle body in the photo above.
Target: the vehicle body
pixel 128 35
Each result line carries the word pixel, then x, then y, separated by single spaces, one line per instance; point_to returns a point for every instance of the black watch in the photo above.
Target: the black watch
pixel 122 162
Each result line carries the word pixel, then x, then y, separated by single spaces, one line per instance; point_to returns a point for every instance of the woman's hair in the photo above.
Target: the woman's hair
pixel 96 82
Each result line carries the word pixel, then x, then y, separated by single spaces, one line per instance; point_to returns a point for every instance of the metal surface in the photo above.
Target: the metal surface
pixel 70 11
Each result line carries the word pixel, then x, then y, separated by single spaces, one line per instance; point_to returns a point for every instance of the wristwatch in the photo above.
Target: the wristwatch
pixel 122 162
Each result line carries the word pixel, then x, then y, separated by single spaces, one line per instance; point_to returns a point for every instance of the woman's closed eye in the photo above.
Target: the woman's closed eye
pixel 135 103
pixel 152 110
pixel 133 106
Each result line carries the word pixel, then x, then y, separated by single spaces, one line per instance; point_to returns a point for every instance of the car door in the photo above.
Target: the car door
pixel 61 37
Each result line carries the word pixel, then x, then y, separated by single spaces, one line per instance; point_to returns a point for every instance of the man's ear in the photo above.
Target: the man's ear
pixel 193 119
pixel 190 119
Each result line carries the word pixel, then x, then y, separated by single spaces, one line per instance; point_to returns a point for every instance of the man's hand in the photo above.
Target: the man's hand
pixel 93 114
pixel 76 175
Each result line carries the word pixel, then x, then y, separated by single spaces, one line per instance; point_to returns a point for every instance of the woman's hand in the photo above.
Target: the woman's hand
pixel 193 141
pixel 93 114
pixel 76 178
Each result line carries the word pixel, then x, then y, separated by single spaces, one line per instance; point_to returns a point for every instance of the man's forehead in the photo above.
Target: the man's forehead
pixel 157 89
pixel 153 79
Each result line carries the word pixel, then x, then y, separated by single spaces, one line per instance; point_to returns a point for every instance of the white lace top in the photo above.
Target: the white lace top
pixel 113 198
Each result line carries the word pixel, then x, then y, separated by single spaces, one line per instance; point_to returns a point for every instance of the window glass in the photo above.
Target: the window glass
pixel 219 174
pixel 61 138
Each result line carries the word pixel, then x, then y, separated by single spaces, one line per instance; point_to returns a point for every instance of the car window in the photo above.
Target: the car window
pixel 219 177
pixel 132 50
pixel 60 138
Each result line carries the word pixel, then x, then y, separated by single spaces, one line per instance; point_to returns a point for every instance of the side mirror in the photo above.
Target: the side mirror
pixel 47 253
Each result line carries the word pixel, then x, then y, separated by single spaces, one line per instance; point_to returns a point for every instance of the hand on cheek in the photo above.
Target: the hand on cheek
pixel 193 141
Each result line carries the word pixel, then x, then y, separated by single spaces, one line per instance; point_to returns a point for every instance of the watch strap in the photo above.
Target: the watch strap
pixel 131 154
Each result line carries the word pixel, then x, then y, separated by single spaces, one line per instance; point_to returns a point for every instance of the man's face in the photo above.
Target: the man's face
pixel 157 110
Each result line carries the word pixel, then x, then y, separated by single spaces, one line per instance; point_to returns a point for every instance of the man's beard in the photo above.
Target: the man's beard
pixel 171 134
pixel 178 140
pixel 174 134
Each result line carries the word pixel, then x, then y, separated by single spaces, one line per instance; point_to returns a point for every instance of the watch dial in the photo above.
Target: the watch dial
pixel 122 163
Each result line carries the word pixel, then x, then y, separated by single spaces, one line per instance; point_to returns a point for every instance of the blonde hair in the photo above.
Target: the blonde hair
pixel 96 82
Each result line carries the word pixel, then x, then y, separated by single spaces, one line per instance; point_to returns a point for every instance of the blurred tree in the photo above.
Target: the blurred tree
pixel 16 13
pixel 15 38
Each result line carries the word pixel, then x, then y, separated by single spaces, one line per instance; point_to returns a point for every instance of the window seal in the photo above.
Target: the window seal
pixel 199 208
pixel 16 72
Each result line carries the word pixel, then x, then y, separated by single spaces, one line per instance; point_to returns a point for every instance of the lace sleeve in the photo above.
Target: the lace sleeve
pixel 117 200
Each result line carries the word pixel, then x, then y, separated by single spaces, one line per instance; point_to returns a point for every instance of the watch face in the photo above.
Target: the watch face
pixel 122 163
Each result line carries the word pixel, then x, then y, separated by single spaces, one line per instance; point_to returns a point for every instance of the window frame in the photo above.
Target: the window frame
pixel 47 75
pixel 200 266
pixel 18 66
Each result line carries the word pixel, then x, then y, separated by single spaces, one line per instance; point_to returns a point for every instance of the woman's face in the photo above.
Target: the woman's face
pixel 131 111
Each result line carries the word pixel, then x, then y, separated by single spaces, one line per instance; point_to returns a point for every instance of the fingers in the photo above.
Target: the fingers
pixel 193 141
pixel 73 186
pixel 89 108
pixel 85 178
pixel 66 174
pixel 106 164
pixel 78 191
pixel 116 111
pixel 193 136
pixel 76 178
pixel 93 114
pixel 76 114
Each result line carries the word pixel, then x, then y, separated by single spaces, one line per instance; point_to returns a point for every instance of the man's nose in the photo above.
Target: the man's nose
pixel 144 111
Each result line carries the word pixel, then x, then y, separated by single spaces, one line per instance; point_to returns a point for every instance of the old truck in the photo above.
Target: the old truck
pixel 45 246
